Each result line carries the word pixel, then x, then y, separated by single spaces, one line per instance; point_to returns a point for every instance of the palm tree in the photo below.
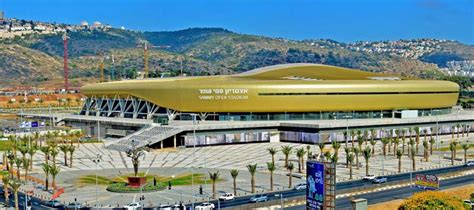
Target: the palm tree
pixel 417 132
pixel 290 168
pixel 45 151
pixel 271 168
pixel 15 185
pixel 65 149
pixel 425 150
pixel 373 133
pixel 366 137
pixel 234 173
pixel 308 152
pixel 54 171
pixel 252 169
pixel 350 158
pixel 403 140
pixel 455 148
pixel 26 165
pixel 53 152
pixel 458 126
pixel 327 156
pixel 214 176
pixel 32 152
pixel 46 170
pixel 453 128
pixel 336 145
pixel 321 146
pixel 360 141
pixel 347 150
pixel 396 141
pixel 373 143
pixel 23 150
pixel 384 146
pixel 465 147
pixel 353 135
pixel 413 153
pixel 71 150
pixel 286 150
pixel 300 154
pixel 432 141
pixel 6 180
pixel 11 160
pixel 356 152
pixel 272 152
pixel 399 157
pixel 390 137
pixel 452 147
pixel 367 153
pixel 18 162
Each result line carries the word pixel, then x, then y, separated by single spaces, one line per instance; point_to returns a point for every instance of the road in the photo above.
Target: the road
pixel 398 193
pixel 375 198
pixel 341 186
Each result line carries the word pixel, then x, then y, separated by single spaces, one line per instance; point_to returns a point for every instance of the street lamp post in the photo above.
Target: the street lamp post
pixel 281 199
pixel 97 161
pixel 437 136
pixel 194 157
pixel 347 117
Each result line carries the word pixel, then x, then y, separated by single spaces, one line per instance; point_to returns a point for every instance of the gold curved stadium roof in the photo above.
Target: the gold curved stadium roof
pixel 285 88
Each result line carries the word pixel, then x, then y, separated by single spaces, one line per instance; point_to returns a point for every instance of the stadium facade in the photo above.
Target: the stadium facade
pixel 281 92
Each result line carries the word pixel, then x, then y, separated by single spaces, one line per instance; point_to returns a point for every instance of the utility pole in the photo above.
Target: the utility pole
pixel 145 54
pixel 66 85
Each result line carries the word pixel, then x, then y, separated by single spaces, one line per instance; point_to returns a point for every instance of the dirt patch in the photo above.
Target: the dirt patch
pixel 463 193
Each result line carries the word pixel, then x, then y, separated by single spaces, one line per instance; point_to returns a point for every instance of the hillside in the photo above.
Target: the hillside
pixel 206 51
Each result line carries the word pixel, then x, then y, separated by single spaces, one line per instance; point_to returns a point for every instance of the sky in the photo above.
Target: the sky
pixel 341 20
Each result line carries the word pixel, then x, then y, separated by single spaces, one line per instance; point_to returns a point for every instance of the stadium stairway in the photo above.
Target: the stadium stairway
pixel 149 135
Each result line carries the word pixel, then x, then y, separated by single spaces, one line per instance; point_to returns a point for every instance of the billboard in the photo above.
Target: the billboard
pixel 315 185
pixel 427 181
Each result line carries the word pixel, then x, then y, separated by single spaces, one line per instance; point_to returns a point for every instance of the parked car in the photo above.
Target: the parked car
pixel 227 196
pixel 74 205
pixel 178 207
pixel 205 206
pixel 132 206
pixel 301 186
pixel 469 203
pixel 53 203
pixel 259 198
pixel 470 163
pixel 165 207
pixel 369 177
pixel 379 180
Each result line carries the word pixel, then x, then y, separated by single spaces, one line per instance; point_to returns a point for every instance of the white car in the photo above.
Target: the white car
pixel 227 196
pixel 470 163
pixel 369 177
pixel 132 206
pixel 165 207
pixel 469 203
pixel 301 186
pixel 205 206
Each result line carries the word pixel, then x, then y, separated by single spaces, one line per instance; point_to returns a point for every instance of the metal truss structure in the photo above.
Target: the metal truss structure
pixel 129 107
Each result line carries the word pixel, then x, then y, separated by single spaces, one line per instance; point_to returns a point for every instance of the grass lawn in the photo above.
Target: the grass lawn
pixel 185 179
pixel 5 145
pixel 458 148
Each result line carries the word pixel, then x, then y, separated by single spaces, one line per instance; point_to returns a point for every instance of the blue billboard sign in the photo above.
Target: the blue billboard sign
pixel 315 185
pixel 34 124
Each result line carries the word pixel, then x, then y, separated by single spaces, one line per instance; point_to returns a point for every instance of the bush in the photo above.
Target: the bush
pixel 121 187
pixel 432 200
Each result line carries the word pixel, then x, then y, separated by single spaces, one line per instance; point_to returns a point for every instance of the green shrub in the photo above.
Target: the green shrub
pixel 121 187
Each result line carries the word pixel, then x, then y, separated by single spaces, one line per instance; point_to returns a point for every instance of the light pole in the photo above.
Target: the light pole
pixel 194 158
pixel 281 199
pixel 96 160
pixel 437 136
pixel 347 117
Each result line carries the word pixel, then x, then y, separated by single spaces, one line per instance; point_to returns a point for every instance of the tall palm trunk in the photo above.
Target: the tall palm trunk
pixel 16 199
pixel 399 164
pixel 271 181
pixel 290 180
pixel 252 182
pixel 367 166
pixel 350 170
pixel 235 186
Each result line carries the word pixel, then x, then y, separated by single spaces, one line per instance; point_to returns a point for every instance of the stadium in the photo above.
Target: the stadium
pixel 280 92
